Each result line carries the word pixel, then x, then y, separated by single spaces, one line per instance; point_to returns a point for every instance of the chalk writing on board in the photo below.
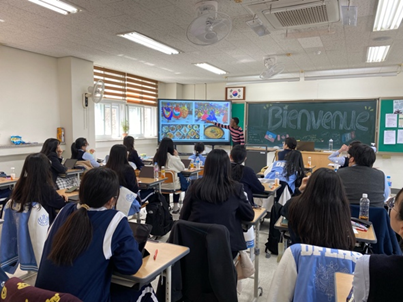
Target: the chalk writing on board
pixel 282 118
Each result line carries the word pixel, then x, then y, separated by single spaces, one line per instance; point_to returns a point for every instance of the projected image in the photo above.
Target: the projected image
pixel 186 121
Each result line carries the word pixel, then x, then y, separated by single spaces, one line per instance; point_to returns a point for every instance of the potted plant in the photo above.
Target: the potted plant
pixel 125 127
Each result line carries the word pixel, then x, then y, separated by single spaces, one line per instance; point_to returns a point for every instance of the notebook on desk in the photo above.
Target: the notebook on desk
pixel 147 172
pixel 141 232
pixel 186 162
pixel 70 163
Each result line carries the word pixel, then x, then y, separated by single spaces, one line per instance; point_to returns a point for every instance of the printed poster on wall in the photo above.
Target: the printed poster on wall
pixel 391 121
pixel 389 137
pixel 398 106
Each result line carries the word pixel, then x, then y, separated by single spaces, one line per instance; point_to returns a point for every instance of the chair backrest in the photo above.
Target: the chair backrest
pixel 18 291
pixel 386 237
pixel 170 177
pixel 313 271
pixel 196 274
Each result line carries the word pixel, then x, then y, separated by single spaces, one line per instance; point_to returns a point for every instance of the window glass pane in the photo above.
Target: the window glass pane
pixel 108 121
pixel 150 114
pixel 135 119
pixel 115 121
pixel 99 119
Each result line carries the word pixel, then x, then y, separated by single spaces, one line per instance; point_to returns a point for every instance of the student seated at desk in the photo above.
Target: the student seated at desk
pixel 198 150
pixel 35 185
pixel 51 148
pixel 128 141
pixel 168 157
pixel 321 214
pixel 360 177
pixel 244 174
pixel 378 277
pixel 289 144
pixel 79 151
pixel 341 160
pixel 217 198
pixel 88 242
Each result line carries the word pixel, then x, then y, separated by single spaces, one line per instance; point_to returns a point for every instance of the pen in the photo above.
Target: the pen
pixel 155 254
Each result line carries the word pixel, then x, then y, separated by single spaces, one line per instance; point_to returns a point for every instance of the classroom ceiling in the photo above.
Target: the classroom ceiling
pixel 92 35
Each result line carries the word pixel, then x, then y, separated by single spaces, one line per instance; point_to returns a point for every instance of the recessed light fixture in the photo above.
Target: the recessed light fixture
pixel 389 15
pixel 377 53
pixel 57 6
pixel 150 43
pixel 210 68
pixel 1 20
pixel 257 26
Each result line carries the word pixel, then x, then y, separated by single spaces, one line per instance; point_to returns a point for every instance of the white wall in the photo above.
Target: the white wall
pixel 362 88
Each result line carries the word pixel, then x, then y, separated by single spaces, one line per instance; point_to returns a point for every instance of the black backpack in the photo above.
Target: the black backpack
pixel 158 215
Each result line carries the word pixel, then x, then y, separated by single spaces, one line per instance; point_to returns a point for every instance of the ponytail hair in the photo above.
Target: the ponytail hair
pixel 294 164
pixel 238 155
pixel 77 145
pixel 199 148
pixel 97 187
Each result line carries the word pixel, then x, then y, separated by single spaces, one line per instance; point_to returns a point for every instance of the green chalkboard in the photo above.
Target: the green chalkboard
pixel 390 107
pixel 238 110
pixel 343 121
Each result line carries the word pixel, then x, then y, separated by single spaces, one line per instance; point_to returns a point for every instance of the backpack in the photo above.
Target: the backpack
pixel 158 215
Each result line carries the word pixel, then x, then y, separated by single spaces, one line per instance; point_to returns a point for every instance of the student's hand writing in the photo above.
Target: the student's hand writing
pixel 303 184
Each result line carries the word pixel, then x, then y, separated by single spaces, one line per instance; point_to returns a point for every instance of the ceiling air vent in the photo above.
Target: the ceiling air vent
pixel 288 14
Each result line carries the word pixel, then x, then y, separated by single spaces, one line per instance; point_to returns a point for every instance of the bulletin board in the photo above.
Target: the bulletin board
pixel 391 125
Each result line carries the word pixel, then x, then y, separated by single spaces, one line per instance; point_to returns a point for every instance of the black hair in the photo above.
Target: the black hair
pixel 199 148
pixel 128 141
pixel 97 187
pixel 236 120
pixel 217 185
pixel 118 162
pixel 294 164
pixel 166 146
pixel 400 210
pixel 291 143
pixel 363 155
pixel 77 145
pixel 50 146
pixel 34 183
pixel 238 155
pixel 354 143
pixel 321 214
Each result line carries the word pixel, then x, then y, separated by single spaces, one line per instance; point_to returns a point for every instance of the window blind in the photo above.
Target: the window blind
pixel 127 87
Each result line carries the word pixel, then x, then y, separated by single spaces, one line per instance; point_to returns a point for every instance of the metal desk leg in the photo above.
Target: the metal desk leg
pixel 168 275
pixel 257 253
pixel 78 178
pixel 159 187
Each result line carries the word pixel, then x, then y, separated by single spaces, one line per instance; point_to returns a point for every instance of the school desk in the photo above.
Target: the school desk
pixel 71 196
pixel 146 183
pixel 168 254
pixel 7 182
pixel 343 283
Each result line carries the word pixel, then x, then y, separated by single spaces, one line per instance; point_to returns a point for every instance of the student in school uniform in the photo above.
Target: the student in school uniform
pixel 235 130
pixel 378 277
pixel 289 144
pixel 88 242
pixel 79 151
pixel 360 177
pixel 168 157
pixel 217 198
pixel 198 150
pixel 244 174
pixel 321 214
pixel 341 160
pixel 128 141
pixel 35 185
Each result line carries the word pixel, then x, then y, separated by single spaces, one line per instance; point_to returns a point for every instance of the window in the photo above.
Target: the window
pixel 128 97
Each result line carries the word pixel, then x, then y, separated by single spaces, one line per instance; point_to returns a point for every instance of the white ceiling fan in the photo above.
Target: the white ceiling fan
pixel 96 93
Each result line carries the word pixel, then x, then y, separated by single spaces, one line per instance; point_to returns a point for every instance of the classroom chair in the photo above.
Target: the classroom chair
pixel 170 175
pixel 306 273
pixel 386 237
pixel 207 273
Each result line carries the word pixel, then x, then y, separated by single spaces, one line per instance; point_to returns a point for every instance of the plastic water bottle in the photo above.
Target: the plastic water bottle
pixel 330 144
pixel 197 163
pixel 192 165
pixel 163 172
pixel 277 179
pixel 364 207
pixel 156 170
pixel 373 147
pixel 309 161
pixel 12 174
pixel 389 179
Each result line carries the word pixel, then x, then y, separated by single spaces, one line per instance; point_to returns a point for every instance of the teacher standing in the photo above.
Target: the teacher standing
pixel 236 131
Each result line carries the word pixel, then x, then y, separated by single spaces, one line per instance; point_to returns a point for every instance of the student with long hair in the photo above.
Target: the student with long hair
pixel 198 150
pixel 244 174
pixel 289 144
pixel 88 241
pixel 321 214
pixel 35 185
pixel 128 141
pixel 378 277
pixel 217 198
pixel 168 157
pixel 118 162
pixel 79 151
pixel 50 148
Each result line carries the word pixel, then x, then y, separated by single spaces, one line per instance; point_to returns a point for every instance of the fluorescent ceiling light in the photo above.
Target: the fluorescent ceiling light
pixel 150 43
pixel 210 68
pixel 389 15
pixel 57 6
pixel 377 54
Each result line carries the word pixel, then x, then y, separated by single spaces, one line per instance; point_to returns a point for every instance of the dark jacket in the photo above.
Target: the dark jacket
pixel 229 213
pixel 250 182
pixel 130 180
pixel 53 202
pixel 196 277
pixel 281 155
pixel 134 158
pixel 57 167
